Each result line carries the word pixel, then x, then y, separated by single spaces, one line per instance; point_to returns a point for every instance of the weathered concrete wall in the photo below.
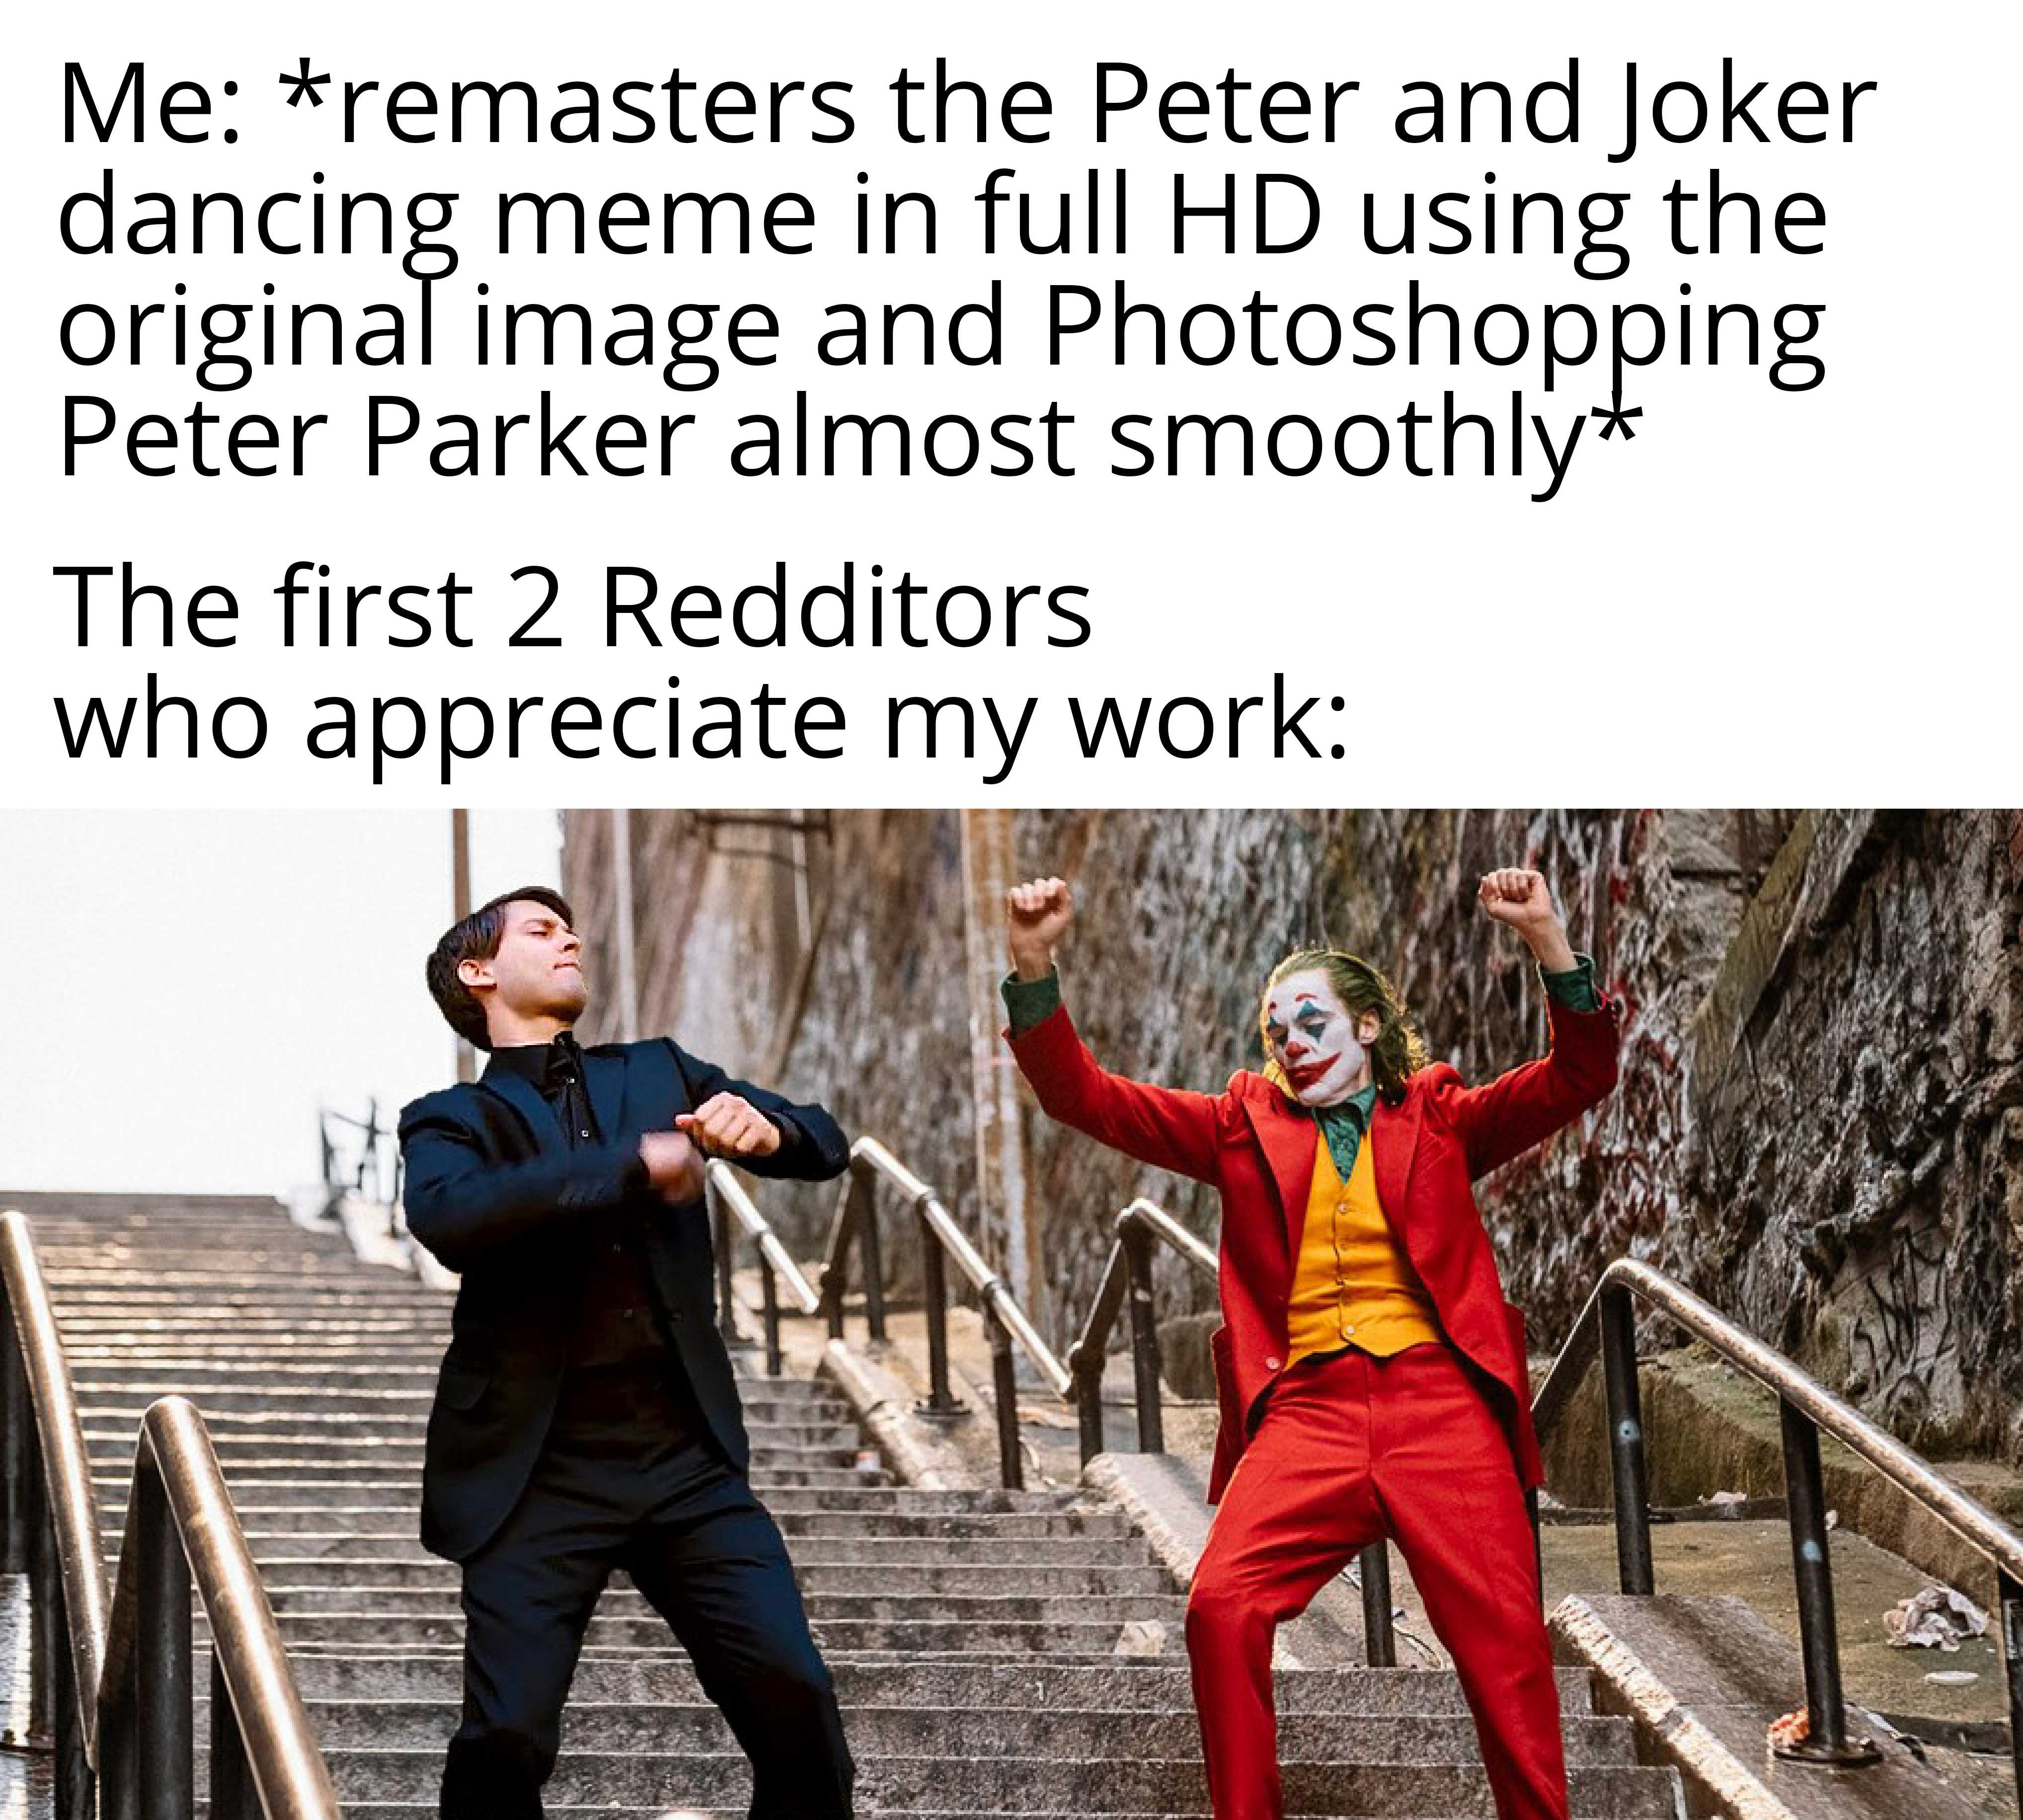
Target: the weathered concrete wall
pixel 1819 1124
pixel 866 1017
pixel 1854 1180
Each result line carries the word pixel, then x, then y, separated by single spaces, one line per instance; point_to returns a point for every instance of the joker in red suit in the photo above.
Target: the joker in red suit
pixel 1370 1375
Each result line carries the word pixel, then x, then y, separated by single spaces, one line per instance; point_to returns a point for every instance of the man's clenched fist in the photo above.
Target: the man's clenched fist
pixel 674 1166
pixel 726 1126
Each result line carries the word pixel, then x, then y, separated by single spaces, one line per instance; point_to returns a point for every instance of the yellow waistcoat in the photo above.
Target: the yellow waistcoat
pixel 1352 1284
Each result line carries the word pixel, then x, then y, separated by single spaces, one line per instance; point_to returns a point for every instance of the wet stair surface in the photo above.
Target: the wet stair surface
pixel 972 1634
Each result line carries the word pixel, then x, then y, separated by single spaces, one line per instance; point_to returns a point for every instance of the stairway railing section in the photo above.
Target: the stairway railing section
pixel 735 1212
pixel 856 1225
pixel 1806 1409
pixel 115 1690
pixel 51 1527
pixel 1140 1227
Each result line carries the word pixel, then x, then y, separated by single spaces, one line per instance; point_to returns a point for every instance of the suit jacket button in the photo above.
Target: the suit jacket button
pixel 1270 1364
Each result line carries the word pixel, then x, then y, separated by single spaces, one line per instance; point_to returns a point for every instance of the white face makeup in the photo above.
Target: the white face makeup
pixel 1312 1036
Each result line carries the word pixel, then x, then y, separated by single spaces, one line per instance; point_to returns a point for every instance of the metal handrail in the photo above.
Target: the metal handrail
pixel 1806 1409
pixel 1973 1522
pixel 856 1224
pixel 1139 1226
pixel 371 1131
pixel 730 1203
pixel 119 1697
pixel 49 1495
pixel 1162 1225
pixel 988 1284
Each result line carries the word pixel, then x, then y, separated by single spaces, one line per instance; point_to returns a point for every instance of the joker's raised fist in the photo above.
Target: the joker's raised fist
pixel 1036 917
pixel 1517 898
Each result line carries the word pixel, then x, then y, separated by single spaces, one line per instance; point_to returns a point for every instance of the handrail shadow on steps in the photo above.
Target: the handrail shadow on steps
pixel 115 1690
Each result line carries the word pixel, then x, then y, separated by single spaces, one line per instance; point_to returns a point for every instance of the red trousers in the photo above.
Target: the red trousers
pixel 1352 1448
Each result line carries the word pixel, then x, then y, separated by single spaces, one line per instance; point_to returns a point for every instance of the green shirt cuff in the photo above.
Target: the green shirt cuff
pixel 1574 988
pixel 1030 1002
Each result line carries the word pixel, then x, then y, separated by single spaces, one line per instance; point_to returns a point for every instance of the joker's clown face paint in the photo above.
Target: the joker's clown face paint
pixel 1313 1038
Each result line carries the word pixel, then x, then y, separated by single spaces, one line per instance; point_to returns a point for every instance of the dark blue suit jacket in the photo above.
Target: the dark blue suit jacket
pixel 495 1191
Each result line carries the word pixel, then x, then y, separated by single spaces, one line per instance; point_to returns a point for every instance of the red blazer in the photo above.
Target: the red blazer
pixel 1257 1148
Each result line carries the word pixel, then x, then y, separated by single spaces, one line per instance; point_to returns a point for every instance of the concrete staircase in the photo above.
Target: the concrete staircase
pixel 972 1634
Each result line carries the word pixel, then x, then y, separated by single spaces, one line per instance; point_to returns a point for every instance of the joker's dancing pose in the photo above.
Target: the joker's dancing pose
pixel 1370 1375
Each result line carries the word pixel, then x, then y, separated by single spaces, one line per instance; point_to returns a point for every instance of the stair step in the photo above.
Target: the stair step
pixel 282 1553
pixel 342 1477
pixel 426 1809
pixel 345 1445
pixel 1127 1684
pixel 1007 1635
pixel 1036 1576
pixel 597 1727
pixel 279 1504
pixel 622 1607
pixel 1124 1784
pixel 103 1405
pixel 971 1634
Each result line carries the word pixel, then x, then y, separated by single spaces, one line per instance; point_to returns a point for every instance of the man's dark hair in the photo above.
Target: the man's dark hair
pixel 476 938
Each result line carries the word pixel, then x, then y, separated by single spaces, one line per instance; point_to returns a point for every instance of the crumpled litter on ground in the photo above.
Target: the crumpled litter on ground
pixel 1141 1636
pixel 1793 1728
pixel 1934 1617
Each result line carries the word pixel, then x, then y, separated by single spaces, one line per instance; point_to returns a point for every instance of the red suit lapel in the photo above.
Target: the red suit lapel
pixel 1394 1145
pixel 1288 1136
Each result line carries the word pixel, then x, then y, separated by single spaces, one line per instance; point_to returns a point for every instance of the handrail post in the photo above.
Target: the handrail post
pixel 1826 1709
pixel 1088 1402
pixel 1087 1357
pixel 933 1294
pixel 835 1266
pixel 769 1287
pixel 720 1236
pixel 233 1793
pixel 118 1785
pixel 47 1637
pixel 17 1423
pixel 1004 1389
pixel 165 1762
pixel 1627 1472
pixel 870 1259
pixel 2008 1599
pixel 76 1784
pixel 1379 1645
pixel 1144 1339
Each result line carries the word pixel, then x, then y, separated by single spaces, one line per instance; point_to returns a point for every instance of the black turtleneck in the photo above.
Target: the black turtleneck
pixel 620 1319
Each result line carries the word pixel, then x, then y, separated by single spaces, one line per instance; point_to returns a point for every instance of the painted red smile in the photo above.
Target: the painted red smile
pixel 1304 1074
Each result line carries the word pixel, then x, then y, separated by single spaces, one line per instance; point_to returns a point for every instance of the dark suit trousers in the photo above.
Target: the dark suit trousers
pixel 626 1479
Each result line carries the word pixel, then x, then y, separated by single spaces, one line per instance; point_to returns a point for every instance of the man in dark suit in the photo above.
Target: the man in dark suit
pixel 586 1417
